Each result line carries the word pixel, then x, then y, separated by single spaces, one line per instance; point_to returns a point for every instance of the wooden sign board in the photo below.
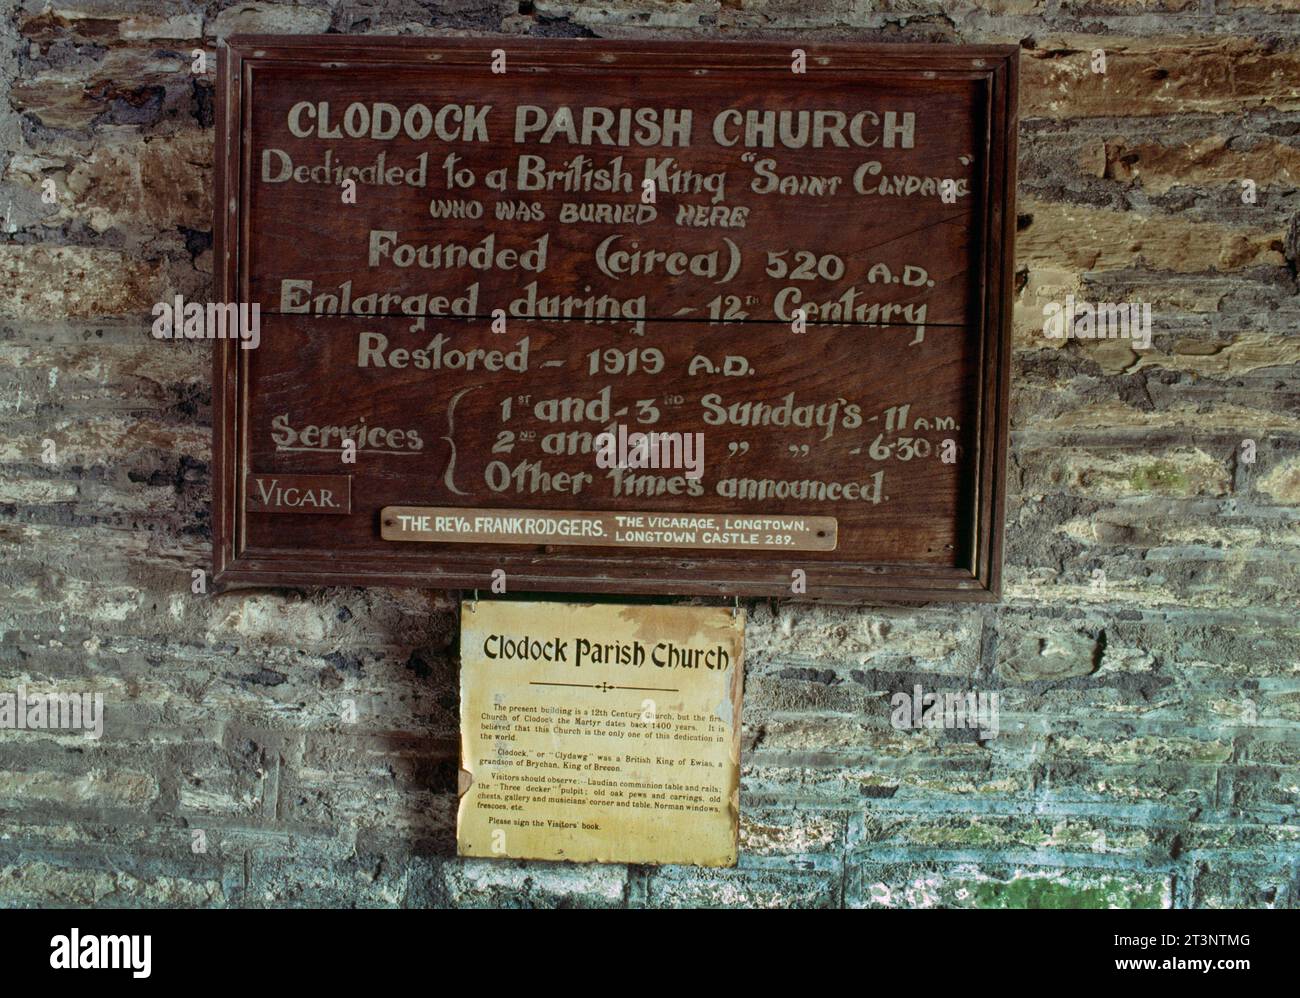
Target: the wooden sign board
pixel 645 317
pixel 601 733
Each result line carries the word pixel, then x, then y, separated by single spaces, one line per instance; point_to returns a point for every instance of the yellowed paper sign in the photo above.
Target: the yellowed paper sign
pixel 599 733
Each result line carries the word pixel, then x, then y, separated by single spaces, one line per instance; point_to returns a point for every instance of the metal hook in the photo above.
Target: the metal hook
pixel 473 607
pixel 735 607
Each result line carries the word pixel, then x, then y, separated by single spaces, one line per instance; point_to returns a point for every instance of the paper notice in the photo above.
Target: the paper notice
pixel 600 733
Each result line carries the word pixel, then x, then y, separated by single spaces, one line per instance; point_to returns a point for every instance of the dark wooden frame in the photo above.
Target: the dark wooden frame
pixel 689 573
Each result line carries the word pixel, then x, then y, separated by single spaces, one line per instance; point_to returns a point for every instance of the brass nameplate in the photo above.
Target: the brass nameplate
pixel 605 734
pixel 465 525
pixel 299 494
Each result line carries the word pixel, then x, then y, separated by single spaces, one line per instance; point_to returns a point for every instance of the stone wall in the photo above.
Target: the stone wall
pixel 1149 753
